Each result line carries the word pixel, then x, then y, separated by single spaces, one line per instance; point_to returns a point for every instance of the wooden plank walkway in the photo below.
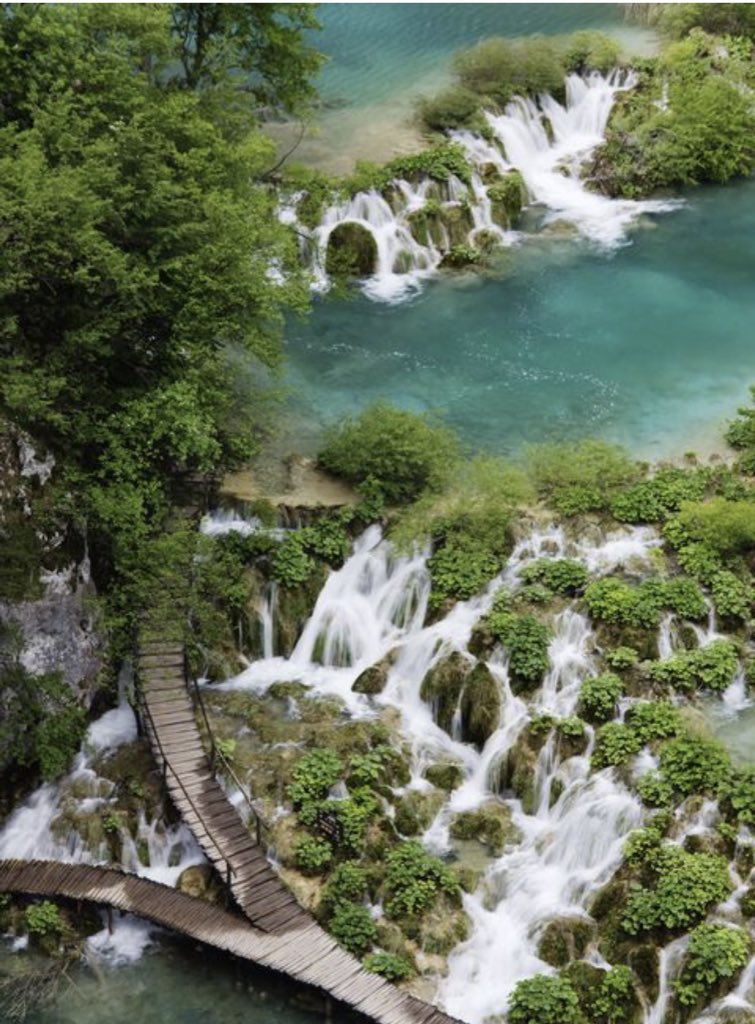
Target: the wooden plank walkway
pixel 305 954
pixel 310 953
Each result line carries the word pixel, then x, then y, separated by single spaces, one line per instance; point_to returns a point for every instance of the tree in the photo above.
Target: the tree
pixel 143 270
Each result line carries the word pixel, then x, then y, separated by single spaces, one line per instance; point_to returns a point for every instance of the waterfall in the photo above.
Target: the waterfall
pixel 267 619
pixel 546 141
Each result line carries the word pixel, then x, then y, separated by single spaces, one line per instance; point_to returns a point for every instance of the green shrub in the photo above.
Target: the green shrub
pixel 347 884
pixel 312 855
pixel 44 919
pixel 613 601
pixel 693 764
pixel 561 575
pixel 499 68
pixel 313 776
pixel 327 539
pixel 654 720
pixel 414 879
pixel 622 657
pixel 685 886
pixel 714 952
pixel 614 745
pixel 291 565
pixel 684 597
pixel 579 477
pixel 544 1000
pixel 510 193
pixel 616 1000
pixel 599 696
pixel 589 51
pixel 405 453
pixel 712 667
pixel 353 927
pixel 699 560
pixel 525 641
pixel 452 108
pixel 727 527
pixel 394 968
pixel 655 791
pixel 741 432
pixel 461 568
pixel 650 501
pixel 738 794
pixel 642 846
pixel 732 597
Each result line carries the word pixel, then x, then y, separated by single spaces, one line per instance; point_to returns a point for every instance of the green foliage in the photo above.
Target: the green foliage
pixel 614 601
pixel 732 596
pixel 711 667
pixel 677 20
pixel 650 501
pixel 727 527
pixel 683 596
pixel 622 657
pixel 615 743
pixel 510 193
pixel 741 431
pixel 703 134
pixel 461 567
pixel 655 791
pixel 699 560
pixel 738 794
pixel 452 108
pixel 313 855
pixel 41 725
pixel 353 927
pixel 438 162
pixel 544 1000
pixel 714 952
pixel 392 967
pixel 654 720
pixel 525 641
pixel 405 453
pixel 498 68
pixel 313 776
pixel 414 879
pixel 616 998
pixel 580 477
pixel 694 764
pixel 327 539
pixel 43 919
pixel 599 696
pixel 462 255
pixel 291 565
pixel 642 846
pixel 589 51
pixel 561 575
pixel 684 886
pixel 347 884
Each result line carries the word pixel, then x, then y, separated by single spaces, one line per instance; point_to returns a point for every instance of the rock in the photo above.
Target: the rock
pixel 374 678
pixel 442 928
pixel 490 825
pixel 442 687
pixel 293 610
pixel 197 881
pixel 416 810
pixel 519 770
pixel 565 939
pixel 480 705
pixel 445 776
pixel 586 980
pixel 351 251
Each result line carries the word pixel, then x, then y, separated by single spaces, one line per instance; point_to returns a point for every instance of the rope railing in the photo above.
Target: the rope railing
pixel 229 870
pixel 218 756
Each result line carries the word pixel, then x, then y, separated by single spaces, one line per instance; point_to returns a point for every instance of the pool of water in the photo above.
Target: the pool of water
pixel 651 345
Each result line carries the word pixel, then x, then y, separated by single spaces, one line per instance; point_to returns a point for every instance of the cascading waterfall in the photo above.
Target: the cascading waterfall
pixel 547 142
pixel 38 829
pixel 571 845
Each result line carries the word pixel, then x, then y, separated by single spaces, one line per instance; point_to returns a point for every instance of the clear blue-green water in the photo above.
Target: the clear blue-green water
pixel 652 345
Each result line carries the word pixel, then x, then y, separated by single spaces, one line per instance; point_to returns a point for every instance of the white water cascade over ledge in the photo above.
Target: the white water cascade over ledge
pixel 570 846
pixel 546 142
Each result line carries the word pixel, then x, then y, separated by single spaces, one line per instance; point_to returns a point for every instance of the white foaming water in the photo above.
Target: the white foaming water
pixel 570 846
pixel 547 142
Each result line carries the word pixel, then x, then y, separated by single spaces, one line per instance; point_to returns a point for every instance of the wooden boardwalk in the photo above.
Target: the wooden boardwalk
pixel 256 887
pixel 305 954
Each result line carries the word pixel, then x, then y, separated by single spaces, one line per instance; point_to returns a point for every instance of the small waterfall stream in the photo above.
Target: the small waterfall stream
pixel 547 142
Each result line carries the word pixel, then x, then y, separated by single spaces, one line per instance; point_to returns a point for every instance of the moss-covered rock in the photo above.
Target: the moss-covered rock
pixel 442 686
pixel 480 705
pixel 199 881
pixel 442 928
pixel 490 825
pixel 446 775
pixel 565 939
pixel 518 771
pixel 293 610
pixel 351 251
pixel 507 196
pixel 416 810
pixel 373 679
